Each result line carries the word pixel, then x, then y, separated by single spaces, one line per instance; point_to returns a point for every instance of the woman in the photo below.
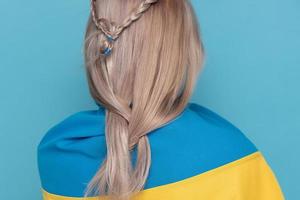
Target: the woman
pixel 146 140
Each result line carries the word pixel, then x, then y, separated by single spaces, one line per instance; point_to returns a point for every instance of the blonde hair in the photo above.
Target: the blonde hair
pixel 144 83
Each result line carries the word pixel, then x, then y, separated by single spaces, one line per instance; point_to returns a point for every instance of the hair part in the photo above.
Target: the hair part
pixel 144 83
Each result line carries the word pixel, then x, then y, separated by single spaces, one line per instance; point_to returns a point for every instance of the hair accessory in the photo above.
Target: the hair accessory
pixel 107 46
pixel 107 50
pixel 110 38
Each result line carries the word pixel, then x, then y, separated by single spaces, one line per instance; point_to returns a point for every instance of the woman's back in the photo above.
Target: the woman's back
pixel 198 155
pixel 142 59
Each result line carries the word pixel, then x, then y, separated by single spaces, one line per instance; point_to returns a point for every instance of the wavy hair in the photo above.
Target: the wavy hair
pixel 142 60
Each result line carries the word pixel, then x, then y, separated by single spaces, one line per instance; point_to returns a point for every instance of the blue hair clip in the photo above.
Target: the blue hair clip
pixel 109 38
pixel 107 51
pixel 108 48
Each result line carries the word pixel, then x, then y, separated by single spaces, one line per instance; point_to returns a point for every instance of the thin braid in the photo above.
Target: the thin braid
pixel 101 23
pixel 145 5
pixel 104 25
pixel 93 12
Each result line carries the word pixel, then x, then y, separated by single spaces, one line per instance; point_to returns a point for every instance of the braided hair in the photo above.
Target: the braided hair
pixel 111 30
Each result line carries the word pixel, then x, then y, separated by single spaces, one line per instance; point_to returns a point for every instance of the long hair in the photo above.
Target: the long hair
pixel 142 60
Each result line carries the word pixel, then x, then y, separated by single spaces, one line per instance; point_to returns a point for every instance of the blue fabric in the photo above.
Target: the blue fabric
pixel 196 141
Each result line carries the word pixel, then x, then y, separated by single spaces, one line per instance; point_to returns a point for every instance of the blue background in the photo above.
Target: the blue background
pixel 251 77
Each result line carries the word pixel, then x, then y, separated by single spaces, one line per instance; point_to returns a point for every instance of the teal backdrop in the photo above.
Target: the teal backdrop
pixel 251 77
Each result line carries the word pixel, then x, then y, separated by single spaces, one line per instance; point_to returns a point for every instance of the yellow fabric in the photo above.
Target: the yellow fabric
pixel 249 178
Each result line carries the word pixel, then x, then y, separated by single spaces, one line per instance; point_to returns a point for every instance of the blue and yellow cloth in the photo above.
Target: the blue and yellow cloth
pixel 199 155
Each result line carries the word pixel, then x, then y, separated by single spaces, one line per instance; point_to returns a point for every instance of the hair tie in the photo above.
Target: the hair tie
pixel 107 45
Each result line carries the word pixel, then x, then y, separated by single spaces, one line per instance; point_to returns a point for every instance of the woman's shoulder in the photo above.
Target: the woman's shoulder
pixel 199 140
pixel 218 127
pixel 217 133
pixel 80 124
pixel 75 140
pixel 200 126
